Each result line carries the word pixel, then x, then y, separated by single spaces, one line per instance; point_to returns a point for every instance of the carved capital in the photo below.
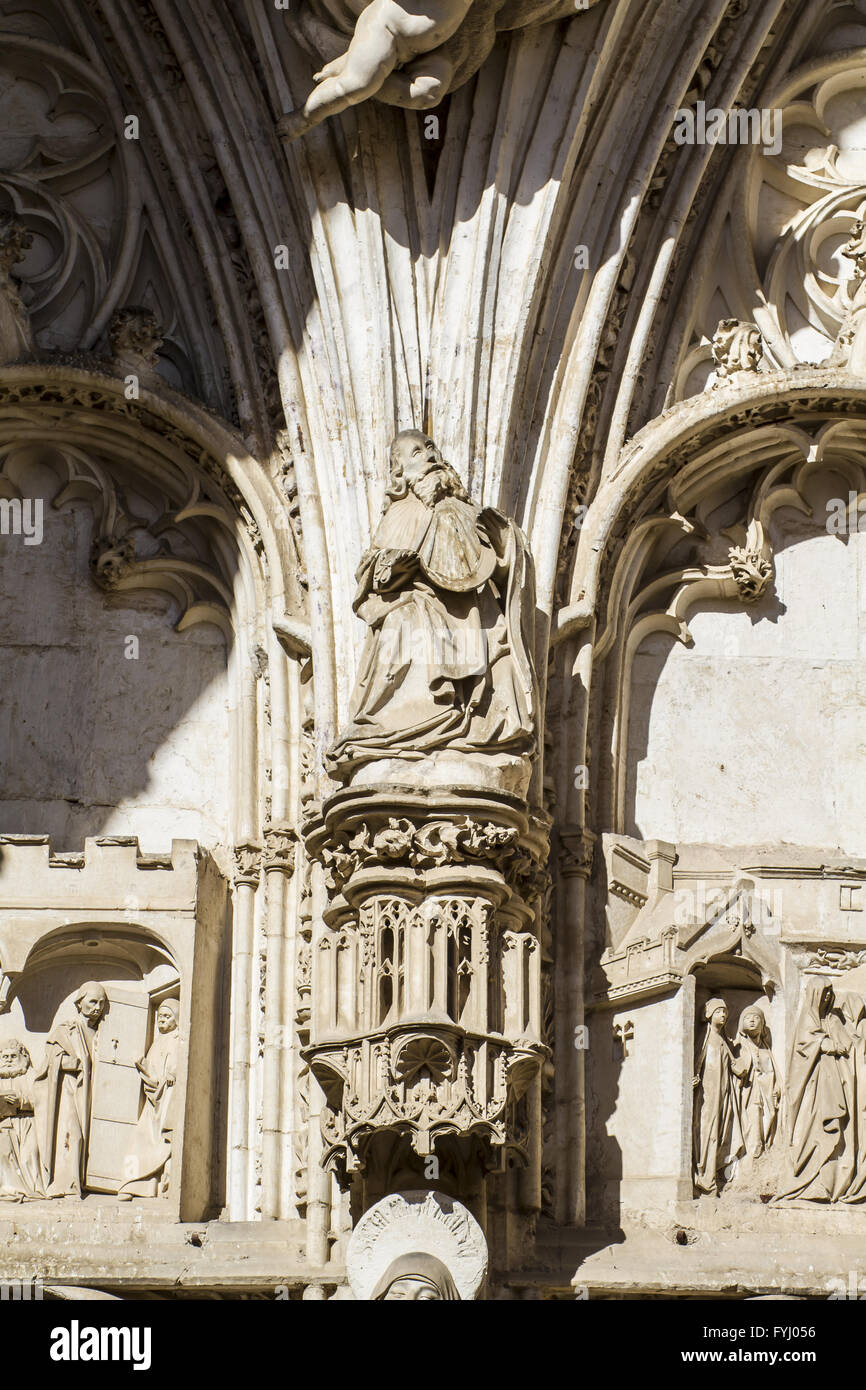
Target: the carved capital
pixel 281 842
pixel 576 849
pixel 438 844
pixel 247 864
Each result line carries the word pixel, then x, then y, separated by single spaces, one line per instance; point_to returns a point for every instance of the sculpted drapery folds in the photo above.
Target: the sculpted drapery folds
pixel 20 1172
pixel 446 591
pixel 820 1162
pixel 63 1098
pixel 826 1160
pixel 759 1084
pixel 718 1137
pixel 150 1157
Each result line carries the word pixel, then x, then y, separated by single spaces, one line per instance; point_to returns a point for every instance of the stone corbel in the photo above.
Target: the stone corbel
pixel 426 980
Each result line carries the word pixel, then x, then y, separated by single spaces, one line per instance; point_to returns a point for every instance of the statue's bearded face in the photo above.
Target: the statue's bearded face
pixel 414 452
pixel 433 486
pixel 14 1061
pixel 417 465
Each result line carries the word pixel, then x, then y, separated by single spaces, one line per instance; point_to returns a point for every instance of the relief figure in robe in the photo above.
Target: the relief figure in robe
pixel 852 1007
pixel 820 1156
pixel 20 1170
pixel 718 1136
pixel 759 1085
pixel 148 1165
pixel 64 1094
pixel 447 594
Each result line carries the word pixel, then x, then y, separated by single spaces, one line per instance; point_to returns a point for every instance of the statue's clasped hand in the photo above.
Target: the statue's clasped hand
pixel 389 561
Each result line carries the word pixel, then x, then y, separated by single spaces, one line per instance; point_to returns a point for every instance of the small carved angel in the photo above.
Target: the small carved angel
pixel 388 35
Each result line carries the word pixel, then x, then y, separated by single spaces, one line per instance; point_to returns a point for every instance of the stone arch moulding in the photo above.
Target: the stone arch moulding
pixel 761 438
pixel 214 533
pixel 656 457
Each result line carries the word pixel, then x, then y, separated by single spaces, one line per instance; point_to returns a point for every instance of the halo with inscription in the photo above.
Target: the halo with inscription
pixel 426 1222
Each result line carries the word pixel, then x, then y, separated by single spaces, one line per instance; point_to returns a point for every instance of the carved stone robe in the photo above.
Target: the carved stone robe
pixel 759 1095
pixel 150 1150
pixel 854 1074
pixel 447 594
pixel 20 1170
pixel 718 1135
pixel 820 1162
pixel 63 1103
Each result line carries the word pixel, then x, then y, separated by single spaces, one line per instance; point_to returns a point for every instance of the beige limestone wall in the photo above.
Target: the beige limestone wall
pixel 755 732
pixel 91 741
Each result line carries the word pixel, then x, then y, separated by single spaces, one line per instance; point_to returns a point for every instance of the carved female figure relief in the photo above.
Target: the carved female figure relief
pixel 718 1136
pixel 758 1084
pixel 149 1160
pixel 446 592
pixel 852 1007
pixel 20 1171
pixel 820 1086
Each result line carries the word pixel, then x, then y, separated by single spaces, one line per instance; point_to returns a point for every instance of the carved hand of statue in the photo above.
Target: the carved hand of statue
pixel 70 1064
pixel 696 1081
pixel 388 35
pixel 392 566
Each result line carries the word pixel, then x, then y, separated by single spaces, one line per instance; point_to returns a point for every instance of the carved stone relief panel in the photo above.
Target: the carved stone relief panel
pixel 107 1040
pixel 739 978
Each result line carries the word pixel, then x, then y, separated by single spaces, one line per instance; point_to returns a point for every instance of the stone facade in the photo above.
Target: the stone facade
pixel 432 453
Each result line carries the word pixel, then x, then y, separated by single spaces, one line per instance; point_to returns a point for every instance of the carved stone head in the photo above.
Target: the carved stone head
pixel 753 1024
pixel 416 464
pixel 416 1277
pixel 716 1014
pixel 14 1058
pixel 167 1015
pixel 91 1001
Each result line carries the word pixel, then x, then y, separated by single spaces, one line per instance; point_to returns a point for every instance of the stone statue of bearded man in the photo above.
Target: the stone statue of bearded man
pixel 447 594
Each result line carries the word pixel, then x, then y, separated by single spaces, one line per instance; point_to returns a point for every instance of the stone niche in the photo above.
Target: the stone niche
pixel 120 1105
pixel 697 933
